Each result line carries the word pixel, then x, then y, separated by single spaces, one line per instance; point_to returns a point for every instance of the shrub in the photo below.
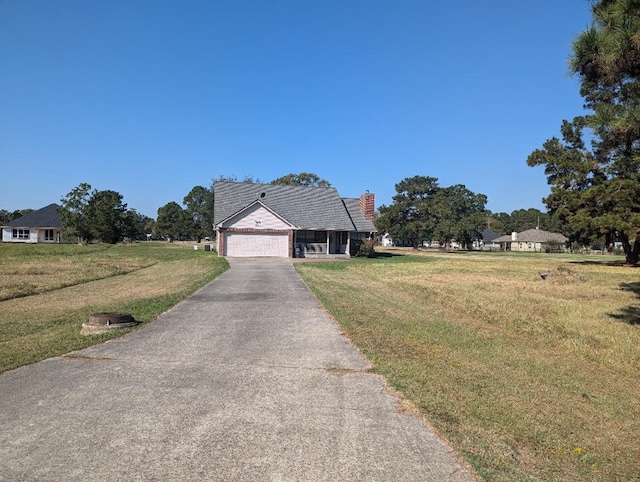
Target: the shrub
pixel 366 249
pixel 553 247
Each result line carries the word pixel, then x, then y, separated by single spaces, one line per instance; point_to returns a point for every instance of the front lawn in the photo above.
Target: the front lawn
pixel 528 378
pixel 48 291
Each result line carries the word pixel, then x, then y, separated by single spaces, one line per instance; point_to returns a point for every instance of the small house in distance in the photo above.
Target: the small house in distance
pixel 41 226
pixel 532 240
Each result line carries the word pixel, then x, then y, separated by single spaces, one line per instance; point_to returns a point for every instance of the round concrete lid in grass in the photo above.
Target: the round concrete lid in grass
pixel 103 322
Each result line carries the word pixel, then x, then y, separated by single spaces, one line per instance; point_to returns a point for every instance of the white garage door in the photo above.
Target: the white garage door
pixel 251 244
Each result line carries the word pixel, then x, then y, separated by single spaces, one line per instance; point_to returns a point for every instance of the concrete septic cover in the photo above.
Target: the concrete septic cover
pixel 103 322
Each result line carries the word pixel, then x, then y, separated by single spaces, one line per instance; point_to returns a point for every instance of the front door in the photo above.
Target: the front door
pixel 338 242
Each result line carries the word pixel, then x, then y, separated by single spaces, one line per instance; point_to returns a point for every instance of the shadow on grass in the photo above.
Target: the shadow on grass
pixel 591 262
pixel 408 257
pixel 630 314
pixel 387 255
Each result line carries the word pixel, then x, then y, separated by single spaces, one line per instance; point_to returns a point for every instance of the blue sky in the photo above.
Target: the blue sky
pixel 153 97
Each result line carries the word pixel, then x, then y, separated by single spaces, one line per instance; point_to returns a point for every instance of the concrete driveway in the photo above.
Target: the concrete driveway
pixel 248 379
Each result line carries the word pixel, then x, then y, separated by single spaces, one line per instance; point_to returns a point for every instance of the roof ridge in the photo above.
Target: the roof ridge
pixel 292 186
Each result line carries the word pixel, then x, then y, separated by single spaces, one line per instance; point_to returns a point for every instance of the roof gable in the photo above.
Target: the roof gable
pixel 256 216
pixel 46 217
pixel 489 236
pixel 306 207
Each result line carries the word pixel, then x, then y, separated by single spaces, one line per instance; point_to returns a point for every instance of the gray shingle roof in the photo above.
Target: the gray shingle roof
pixel 489 236
pixel 47 217
pixel 353 209
pixel 306 207
pixel 533 236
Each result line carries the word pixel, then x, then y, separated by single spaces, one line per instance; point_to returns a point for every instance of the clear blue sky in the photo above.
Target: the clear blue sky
pixel 153 97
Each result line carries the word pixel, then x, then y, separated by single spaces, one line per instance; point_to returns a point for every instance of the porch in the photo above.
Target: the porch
pixel 321 244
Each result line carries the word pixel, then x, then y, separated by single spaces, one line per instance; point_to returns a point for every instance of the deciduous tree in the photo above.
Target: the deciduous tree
pixel 410 216
pixel 72 213
pixel 460 215
pixel 172 222
pixel 6 216
pixel 87 214
pixel 422 210
pixel 136 225
pixel 302 179
pixel 106 216
pixel 199 209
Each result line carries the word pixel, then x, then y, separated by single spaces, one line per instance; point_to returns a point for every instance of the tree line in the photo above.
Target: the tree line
pixel 422 210
pixel 87 214
pixel 8 216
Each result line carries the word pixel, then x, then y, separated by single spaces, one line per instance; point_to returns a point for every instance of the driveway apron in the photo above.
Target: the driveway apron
pixel 248 379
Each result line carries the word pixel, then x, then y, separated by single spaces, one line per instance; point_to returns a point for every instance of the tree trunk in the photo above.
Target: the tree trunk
pixel 631 251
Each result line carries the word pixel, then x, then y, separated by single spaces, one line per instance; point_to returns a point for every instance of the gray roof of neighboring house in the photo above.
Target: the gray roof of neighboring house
pixel 47 217
pixel 533 236
pixel 306 207
pixel 489 236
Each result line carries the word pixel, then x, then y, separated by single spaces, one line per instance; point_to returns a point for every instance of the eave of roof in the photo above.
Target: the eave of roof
pixel 46 217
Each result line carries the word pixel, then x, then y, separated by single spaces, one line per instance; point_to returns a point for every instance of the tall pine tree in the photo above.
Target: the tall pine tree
pixel 597 190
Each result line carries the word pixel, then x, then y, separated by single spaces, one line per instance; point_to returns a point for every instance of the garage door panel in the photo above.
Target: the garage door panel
pixel 257 244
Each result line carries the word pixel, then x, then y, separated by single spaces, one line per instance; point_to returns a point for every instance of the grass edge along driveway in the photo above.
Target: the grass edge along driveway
pixel 529 379
pixel 144 280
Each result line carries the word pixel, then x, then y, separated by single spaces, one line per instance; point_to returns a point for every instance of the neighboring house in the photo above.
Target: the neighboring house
pixel 488 241
pixel 533 240
pixel 41 226
pixel 386 240
pixel 289 221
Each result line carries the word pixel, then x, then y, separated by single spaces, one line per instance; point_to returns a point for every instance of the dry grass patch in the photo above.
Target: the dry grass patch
pixel 29 270
pixel 149 279
pixel 530 378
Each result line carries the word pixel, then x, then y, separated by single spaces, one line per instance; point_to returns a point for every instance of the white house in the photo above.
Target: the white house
pixel 41 226
pixel 533 240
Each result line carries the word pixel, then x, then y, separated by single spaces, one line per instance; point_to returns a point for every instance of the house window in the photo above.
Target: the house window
pixel 311 236
pixel 20 234
pixel 48 235
pixel 530 246
pixel 359 236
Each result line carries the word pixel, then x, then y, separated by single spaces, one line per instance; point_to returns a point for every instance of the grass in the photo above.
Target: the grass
pixel 529 379
pixel 48 291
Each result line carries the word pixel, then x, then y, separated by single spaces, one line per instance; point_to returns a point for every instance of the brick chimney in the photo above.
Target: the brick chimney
pixel 367 205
